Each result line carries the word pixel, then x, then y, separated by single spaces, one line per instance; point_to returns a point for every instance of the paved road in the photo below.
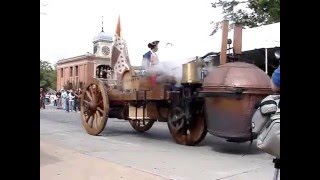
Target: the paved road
pixel 154 151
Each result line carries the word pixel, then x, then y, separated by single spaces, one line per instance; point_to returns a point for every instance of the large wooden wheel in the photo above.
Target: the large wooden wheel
pixel 187 132
pixel 94 107
pixel 140 125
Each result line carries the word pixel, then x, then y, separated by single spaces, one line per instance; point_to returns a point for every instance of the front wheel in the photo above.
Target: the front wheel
pixel 184 131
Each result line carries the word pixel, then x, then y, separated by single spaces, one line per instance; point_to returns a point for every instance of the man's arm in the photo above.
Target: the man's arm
pixel 146 60
pixel 275 80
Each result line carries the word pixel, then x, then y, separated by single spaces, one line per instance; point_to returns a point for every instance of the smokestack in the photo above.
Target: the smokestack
pixel 237 39
pixel 224 42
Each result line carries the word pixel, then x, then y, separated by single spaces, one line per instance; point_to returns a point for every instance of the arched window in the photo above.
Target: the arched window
pixel 103 71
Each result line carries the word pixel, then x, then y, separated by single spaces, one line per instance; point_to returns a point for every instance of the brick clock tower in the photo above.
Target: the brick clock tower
pixel 78 70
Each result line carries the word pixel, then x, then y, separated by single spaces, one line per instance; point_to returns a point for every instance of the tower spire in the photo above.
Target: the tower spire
pixel 102 25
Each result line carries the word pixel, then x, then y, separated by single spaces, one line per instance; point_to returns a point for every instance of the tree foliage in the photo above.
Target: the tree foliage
pixel 252 14
pixel 48 75
pixel 73 85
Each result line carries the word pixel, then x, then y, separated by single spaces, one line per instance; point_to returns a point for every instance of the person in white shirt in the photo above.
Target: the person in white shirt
pixel 154 68
pixel 150 58
pixel 71 100
pixel 63 98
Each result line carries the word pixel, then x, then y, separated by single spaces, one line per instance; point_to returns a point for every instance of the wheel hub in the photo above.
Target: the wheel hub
pixel 177 118
pixel 92 106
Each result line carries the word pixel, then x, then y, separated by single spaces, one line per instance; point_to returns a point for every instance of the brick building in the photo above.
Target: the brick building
pixel 78 70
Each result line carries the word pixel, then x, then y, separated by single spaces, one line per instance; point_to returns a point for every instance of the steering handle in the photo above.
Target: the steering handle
pixel 210 54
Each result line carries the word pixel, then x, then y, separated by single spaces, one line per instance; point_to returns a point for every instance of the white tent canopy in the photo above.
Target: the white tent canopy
pixel 267 36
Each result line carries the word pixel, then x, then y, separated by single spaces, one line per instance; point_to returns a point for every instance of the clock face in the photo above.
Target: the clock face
pixel 105 50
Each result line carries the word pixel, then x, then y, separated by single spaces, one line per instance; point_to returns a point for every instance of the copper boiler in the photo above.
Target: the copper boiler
pixel 231 93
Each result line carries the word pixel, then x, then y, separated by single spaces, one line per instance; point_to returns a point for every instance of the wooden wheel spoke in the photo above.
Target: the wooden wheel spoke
pixel 93 92
pixel 92 120
pixel 85 101
pixel 88 118
pixel 100 103
pixel 86 110
pixel 98 115
pixel 98 97
pixel 99 110
pixel 98 119
pixel 89 95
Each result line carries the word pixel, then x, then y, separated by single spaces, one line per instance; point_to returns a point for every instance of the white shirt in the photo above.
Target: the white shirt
pixel 64 95
pixel 154 58
pixel 71 97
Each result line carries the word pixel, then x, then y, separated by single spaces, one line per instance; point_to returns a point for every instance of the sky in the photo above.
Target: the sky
pixel 68 27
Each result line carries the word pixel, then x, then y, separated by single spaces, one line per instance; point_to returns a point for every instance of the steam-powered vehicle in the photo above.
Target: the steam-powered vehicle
pixel 218 100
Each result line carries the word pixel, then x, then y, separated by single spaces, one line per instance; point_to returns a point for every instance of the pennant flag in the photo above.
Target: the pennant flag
pixel 119 57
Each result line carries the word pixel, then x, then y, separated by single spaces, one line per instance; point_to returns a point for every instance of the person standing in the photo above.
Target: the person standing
pixel 63 99
pixel 42 98
pixel 77 100
pixel 150 59
pixel 54 98
pixel 58 95
pixel 59 104
pixel 71 100
pixel 47 99
pixel 67 108
pixel 275 80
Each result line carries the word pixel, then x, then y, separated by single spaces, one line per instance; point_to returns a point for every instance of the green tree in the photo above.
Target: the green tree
pixel 255 13
pixel 48 75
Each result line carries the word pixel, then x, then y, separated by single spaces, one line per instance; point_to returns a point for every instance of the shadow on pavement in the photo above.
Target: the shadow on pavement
pixel 159 134
pixel 46 159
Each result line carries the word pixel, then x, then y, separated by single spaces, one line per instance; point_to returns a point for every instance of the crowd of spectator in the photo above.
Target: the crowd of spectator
pixel 68 100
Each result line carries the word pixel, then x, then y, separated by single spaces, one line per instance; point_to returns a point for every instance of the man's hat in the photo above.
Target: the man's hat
pixel 153 44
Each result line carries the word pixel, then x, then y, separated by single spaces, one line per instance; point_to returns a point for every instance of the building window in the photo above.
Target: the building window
pixel 61 72
pixel 71 71
pixel 77 71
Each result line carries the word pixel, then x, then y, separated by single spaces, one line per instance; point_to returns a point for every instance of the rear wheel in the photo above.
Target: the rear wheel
pixel 94 107
pixel 141 125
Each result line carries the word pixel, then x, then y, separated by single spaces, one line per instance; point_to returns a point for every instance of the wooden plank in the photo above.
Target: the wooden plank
pixel 116 95
pixel 224 42
pixel 237 39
